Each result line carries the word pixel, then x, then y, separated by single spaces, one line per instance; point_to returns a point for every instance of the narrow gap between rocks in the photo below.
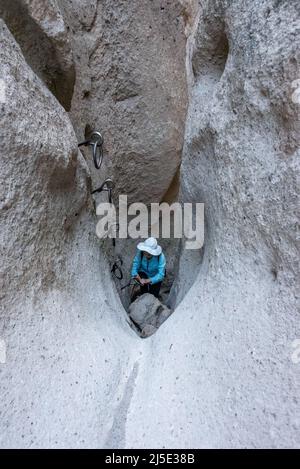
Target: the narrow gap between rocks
pixel 147 313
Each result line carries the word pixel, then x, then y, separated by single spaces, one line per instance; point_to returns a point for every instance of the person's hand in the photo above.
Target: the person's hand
pixel 146 281
pixel 142 281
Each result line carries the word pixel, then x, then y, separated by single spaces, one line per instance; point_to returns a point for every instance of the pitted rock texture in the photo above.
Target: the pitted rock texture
pixel 60 320
pixel 131 85
pixel 44 178
pixel 223 360
pixel 41 32
pixel 219 372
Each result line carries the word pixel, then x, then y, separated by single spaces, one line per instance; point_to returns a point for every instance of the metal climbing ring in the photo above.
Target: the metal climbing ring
pixel 117 268
pixel 107 186
pixel 96 141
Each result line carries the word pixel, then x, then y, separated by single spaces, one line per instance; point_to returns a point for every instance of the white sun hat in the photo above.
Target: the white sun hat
pixel 151 246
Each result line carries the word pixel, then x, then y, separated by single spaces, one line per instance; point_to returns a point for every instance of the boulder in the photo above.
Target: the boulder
pixel 148 313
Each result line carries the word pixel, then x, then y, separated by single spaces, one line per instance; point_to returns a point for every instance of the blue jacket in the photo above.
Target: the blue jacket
pixel 154 267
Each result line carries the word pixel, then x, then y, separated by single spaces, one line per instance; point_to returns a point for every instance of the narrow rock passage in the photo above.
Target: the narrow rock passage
pixel 212 118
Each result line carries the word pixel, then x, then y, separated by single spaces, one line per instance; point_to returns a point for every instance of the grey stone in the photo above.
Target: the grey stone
pixel 148 330
pixel 147 310
pixel 223 361
pixel 223 371
pixel 43 36
pixel 131 85
pixel 55 310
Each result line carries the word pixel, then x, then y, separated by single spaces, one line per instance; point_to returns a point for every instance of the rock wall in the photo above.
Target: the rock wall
pixel 70 356
pixel 61 322
pixel 43 36
pixel 131 85
pixel 218 373
pixel 221 365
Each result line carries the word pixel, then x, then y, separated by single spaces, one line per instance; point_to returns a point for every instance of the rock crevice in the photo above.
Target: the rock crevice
pixel 207 87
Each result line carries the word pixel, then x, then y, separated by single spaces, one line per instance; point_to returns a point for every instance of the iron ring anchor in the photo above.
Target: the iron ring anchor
pixel 96 141
pixel 106 186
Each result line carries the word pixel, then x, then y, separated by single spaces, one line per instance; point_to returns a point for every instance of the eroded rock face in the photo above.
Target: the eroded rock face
pixel 132 86
pixel 62 328
pixel 43 178
pixel 225 355
pixel 241 141
pixel 42 34
pixel 219 372
pixel 56 313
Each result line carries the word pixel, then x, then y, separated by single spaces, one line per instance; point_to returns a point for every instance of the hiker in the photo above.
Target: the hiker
pixel 149 266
